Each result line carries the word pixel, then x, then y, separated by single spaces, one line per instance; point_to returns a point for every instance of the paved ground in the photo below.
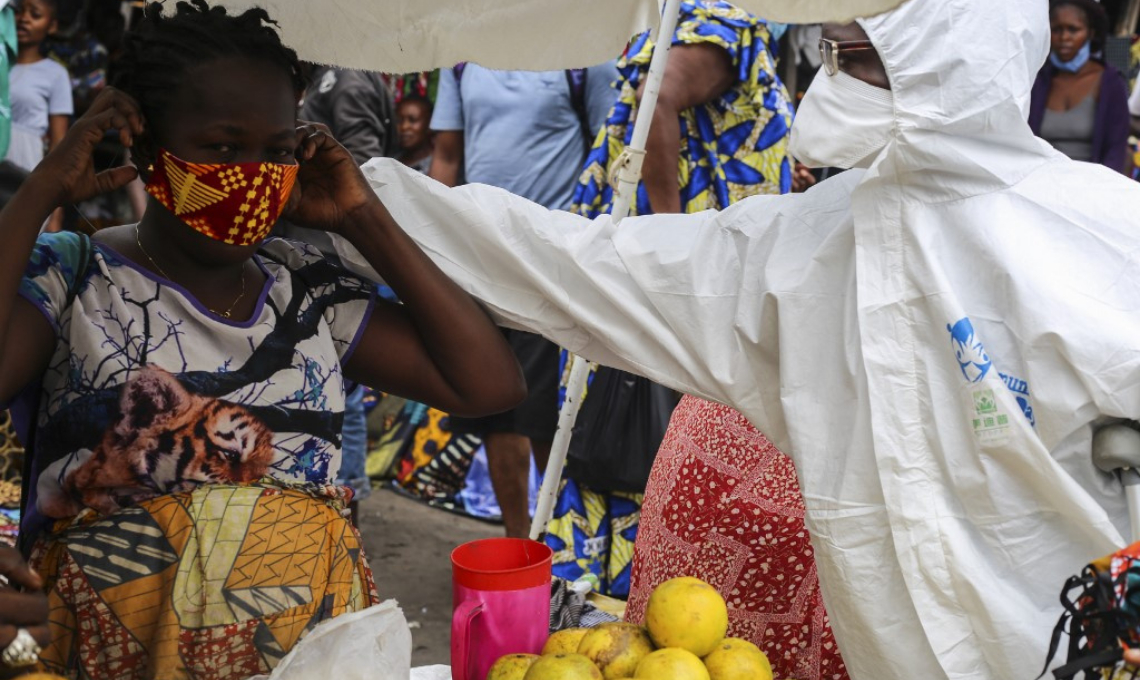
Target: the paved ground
pixel 408 545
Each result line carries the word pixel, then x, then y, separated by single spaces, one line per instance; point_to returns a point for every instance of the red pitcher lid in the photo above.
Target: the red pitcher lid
pixel 502 564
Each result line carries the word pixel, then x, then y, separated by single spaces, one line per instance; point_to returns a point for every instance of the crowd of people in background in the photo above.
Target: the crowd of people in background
pixel 720 135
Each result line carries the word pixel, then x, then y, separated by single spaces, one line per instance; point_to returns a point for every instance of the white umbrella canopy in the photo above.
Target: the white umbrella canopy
pixel 402 36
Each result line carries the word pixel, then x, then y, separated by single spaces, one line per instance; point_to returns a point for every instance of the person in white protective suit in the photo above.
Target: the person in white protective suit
pixel 932 339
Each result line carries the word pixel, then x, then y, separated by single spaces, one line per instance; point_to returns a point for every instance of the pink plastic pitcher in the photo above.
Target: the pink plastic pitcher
pixel 500 591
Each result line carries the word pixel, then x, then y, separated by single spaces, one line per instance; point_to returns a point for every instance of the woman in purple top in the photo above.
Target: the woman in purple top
pixel 1080 103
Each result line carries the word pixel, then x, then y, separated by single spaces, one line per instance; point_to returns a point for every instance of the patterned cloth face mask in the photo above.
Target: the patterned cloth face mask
pixel 235 203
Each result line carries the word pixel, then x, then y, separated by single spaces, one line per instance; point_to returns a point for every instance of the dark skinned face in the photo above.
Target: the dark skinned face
pixel 231 110
pixel 862 64
pixel 413 125
pixel 1070 29
pixel 35 21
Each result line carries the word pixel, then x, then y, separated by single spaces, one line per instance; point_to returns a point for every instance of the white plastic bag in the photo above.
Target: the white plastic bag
pixel 431 673
pixel 372 644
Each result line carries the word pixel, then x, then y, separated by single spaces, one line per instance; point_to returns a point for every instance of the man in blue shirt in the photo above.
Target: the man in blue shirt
pixel 527 132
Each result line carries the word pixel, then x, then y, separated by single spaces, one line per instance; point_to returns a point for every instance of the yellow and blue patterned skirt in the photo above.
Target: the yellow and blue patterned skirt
pixel 593 533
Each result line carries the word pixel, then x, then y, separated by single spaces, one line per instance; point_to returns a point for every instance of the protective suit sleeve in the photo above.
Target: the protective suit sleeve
pixel 662 296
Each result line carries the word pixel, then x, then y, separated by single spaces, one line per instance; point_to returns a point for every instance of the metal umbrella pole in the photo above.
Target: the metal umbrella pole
pixel 625 175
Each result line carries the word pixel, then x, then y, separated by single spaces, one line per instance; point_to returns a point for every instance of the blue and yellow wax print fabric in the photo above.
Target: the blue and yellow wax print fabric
pixel 593 533
pixel 731 148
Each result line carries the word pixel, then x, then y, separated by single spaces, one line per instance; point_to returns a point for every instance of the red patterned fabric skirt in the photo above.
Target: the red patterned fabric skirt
pixel 724 505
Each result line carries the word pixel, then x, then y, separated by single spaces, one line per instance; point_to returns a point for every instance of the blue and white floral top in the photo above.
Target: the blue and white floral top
pixel 148 392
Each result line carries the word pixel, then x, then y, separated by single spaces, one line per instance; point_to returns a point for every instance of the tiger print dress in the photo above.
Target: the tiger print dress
pixel 181 502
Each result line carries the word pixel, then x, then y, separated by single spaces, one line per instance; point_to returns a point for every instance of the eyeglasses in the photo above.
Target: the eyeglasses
pixel 829 52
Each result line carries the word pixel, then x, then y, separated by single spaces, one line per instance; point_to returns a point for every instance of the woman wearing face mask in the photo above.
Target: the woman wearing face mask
pixel 911 335
pixel 1080 103
pixel 186 378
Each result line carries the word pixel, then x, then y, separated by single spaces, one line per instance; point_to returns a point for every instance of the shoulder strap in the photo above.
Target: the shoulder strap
pixel 457 71
pixel 576 79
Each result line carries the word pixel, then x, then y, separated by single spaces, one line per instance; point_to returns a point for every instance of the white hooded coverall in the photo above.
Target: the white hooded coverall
pixel 931 340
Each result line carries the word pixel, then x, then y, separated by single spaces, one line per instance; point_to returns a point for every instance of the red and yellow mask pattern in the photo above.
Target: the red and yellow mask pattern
pixel 235 203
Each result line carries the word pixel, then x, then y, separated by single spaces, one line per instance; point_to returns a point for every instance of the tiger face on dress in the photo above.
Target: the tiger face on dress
pixel 166 439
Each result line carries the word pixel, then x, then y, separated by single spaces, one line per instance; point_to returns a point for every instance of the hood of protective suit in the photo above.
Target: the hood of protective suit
pixel 961 72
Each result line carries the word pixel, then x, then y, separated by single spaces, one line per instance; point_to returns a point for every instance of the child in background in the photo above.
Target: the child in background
pixel 40 92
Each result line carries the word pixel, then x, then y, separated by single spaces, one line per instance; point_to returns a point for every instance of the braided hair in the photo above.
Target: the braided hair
pixel 57 11
pixel 163 48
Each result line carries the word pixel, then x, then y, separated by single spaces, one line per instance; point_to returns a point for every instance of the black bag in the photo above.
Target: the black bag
pixel 1102 617
pixel 619 429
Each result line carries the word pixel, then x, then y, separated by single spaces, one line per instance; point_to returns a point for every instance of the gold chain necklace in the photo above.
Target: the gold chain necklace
pixel 225 314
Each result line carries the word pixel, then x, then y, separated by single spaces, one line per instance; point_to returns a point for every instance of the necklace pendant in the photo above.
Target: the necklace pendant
pixel 225 315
